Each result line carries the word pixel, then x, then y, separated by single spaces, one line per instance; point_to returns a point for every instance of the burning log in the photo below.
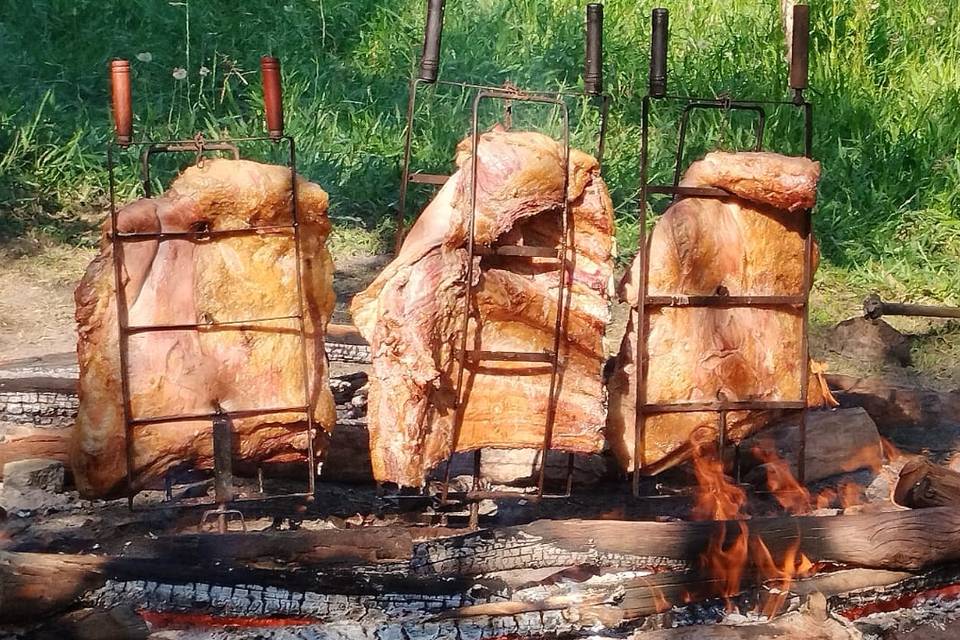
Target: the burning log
pixel 924 484
pixel 201 289
pixel 902 540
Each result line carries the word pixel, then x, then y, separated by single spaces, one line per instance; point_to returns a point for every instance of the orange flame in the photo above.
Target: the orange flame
pixel 850 494
pixel 718 497
pixel 778 578
pixel 781 482
pixel 731 549
pixel 890 451
pixel 724 565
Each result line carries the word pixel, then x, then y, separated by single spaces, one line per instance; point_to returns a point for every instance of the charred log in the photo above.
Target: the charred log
pixel 924 484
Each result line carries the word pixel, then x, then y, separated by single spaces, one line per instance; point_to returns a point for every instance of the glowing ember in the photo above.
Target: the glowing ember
pixel 880 605
pixel 170 620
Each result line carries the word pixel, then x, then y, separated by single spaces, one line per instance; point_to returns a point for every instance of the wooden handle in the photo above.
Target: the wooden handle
pixel 800 49
pixel 272 95
pixel 121 101
pixel 430 56
pixel 659 30
pixel 593 71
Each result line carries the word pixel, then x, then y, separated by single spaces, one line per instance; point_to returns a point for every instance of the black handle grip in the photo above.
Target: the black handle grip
pixel 659 31
pixel 800 47
pixel 430 56
pixel 593 70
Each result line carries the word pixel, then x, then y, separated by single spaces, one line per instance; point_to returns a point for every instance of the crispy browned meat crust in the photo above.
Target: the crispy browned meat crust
pixel 749 244
pixel 190 372
pixel 412 313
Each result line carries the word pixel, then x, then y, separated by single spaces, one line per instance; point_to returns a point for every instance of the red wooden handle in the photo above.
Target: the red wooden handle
pixel 121 100
pixel 272 96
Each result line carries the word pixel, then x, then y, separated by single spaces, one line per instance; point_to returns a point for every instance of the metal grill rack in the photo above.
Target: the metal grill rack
pixel 657 94
pixel 221 420
pixel 427 74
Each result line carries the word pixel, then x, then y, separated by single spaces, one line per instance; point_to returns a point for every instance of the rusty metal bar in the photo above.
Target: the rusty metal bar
pixel 723 405
pixel 222 467
pixel 405 178
pixel 429 178
pixel 206 325
pixel 304 360
pixel 689 192
pixel 725 301
pixel 875 308
pixel 559 329
pixel 475 504
pixel 122 320
pixel 518 251
pixel 210 415
pixel 510 356
pixel 640 362
pixel 141 236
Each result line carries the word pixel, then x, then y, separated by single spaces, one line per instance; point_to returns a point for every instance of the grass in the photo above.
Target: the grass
pixel 885 80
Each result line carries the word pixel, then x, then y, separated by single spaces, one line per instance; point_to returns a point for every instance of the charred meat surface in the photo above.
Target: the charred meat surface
pixel 209 280
pixel 412 314
pixel 750 244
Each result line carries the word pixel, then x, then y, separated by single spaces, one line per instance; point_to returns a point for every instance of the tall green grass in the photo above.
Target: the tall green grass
pixel 885 81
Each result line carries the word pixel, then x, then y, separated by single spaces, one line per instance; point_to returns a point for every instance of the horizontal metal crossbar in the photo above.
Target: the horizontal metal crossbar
pixel 690 192
pixel 243 413
pixel 517 251
pixel 724 301
pixel 511 356
pixel 203 234
pixel 743 405
pixel 428 178
pixel 206 325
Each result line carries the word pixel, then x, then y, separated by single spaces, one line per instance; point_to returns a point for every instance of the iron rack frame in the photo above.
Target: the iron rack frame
pixel 657 93
pixel 427 74
pixel 221 420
